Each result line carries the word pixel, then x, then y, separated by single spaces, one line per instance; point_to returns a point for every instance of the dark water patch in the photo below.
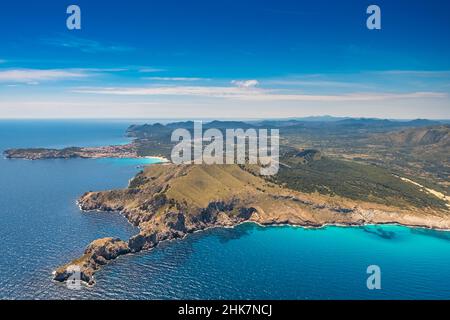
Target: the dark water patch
pixel 379 231
pixel 444 235
pixel 229 234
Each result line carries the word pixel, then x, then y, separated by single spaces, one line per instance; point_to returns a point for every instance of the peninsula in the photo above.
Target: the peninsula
pixel 120 151
pixel 171 201
pixel 117 151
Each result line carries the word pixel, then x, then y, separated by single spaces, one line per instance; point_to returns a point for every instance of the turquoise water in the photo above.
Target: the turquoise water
pixel 130 161
pixel 252 262
pixel 41 228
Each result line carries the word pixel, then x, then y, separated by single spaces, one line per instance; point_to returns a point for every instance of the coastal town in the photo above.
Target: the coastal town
pixel 118 151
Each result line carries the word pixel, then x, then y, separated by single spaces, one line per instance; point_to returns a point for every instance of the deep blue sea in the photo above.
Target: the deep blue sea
pixel 41 228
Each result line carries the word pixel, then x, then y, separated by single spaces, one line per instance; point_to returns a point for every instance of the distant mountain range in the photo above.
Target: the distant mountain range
pixel 285 123
pixel 415 137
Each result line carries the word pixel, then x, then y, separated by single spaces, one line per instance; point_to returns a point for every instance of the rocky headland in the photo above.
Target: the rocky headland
pixel 171 201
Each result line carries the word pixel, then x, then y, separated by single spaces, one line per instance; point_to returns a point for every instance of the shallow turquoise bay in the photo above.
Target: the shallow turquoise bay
pixel 130 161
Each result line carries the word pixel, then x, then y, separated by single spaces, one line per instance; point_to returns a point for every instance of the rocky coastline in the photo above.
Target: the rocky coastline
pixel 159 202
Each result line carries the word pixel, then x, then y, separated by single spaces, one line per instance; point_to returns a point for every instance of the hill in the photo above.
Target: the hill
pixel 415 137
pixel 308 171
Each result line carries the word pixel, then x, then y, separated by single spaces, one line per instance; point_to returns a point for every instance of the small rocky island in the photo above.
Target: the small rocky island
pixel 171 201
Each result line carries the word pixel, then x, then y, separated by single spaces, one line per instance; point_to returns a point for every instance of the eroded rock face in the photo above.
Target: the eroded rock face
pixel 99 252
pixel 107 248
pixel 176 221
pixel 172 225
pixel 138 242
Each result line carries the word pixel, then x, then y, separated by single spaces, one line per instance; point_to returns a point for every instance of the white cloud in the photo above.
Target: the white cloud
pixel 317 83
pixel 150 70
pixel 416 73
pixel 218 92
pixel 33 76
pixel 101 69
pixel 175 78
pixel 254 94
pixel 245 83
pixel 120 107
pixel 85 45
pixel 348 97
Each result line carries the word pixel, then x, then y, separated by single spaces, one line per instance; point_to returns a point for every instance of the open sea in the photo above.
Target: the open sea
pixel 42 228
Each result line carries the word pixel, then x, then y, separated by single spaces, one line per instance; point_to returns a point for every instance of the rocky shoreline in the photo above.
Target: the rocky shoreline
pixel 159 203
pixel 102 251
pixel 119 151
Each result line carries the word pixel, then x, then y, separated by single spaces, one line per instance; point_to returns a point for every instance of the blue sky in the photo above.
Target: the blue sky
pixel 224 59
